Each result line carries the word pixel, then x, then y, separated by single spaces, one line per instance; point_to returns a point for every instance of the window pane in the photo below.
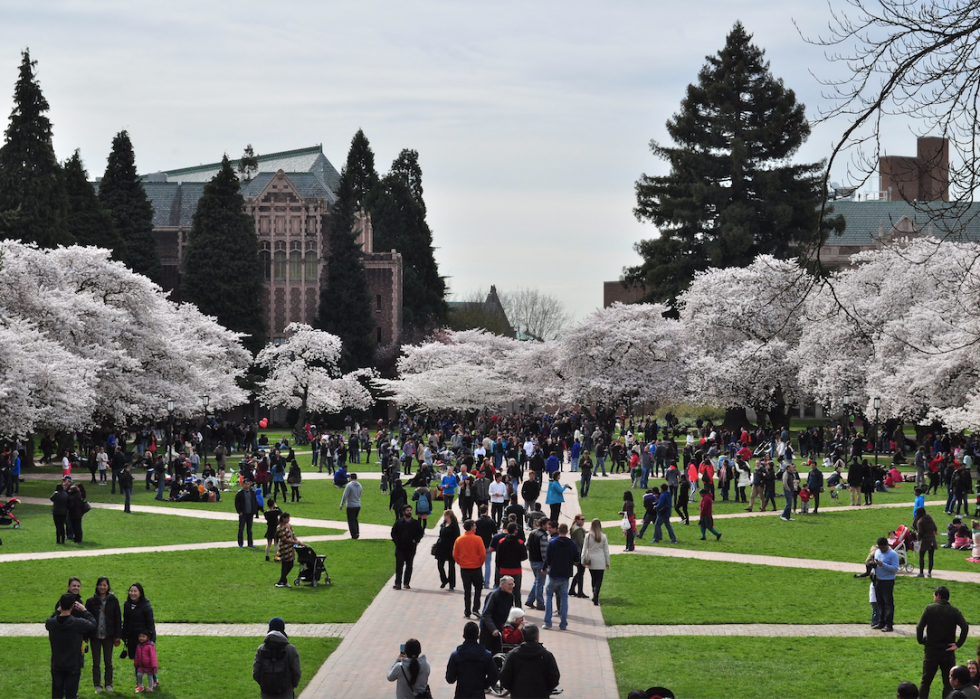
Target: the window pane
pixel 280 266
pixel 311 267
pixel 295 266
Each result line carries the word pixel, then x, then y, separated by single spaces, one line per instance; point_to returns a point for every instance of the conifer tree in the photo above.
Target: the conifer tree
pixel 222 273
pixel 345 300
pixel 122 195
pixel 32 185
pixel 248 165
pixel 732 193
pixel 88 223
pixel 398 216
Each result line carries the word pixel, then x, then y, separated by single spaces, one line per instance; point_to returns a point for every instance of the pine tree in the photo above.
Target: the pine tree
pixel 122 195
pixel 88 223
pixel 345 301
pixel 731 193
pixel 248 165
pixel 398 216
pixel 222 273
pixel 32 185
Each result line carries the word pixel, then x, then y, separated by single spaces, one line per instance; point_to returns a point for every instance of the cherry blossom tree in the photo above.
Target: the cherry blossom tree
pixel 741 327
pixel 305 375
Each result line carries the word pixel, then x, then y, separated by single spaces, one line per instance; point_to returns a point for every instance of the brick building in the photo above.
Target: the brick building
pixel 289 199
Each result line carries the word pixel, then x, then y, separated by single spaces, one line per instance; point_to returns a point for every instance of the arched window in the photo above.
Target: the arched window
pixel 311 267
pixel 266 258
pixel 280 265
pixel 295 266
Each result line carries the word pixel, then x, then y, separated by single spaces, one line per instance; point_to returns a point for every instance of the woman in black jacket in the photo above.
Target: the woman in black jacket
pixel 76 500
pixel 137 619
pixel 59 510
pixel 104 606
pixel 448 533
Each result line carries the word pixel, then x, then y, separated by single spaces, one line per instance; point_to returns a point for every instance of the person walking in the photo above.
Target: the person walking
pixel 530 490
pixel 628 512
pixel 276 667
pixel 530 671
pixel 706 518
pixel 926 528
pixel 814 481
pixel 67 628
pixel 410 671
pixel 126 485
pixel 272 513
pixel 556 495
pixel 496 610
pixel 352 501
pixel 886 562
pixel 406 534
pixel 595 557
pixel 936 631
pixel 471 667
pixel 561 554
pixel 663 516
pixel 247 507
pixel 577 534
pixel 286 543
pixel 444 547
pixel 537 545
pixel 104 608
pixel 511 553
pixel 789 487
pixel 469 552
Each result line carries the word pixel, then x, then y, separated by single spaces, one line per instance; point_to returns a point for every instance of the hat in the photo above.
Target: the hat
pixel 277 624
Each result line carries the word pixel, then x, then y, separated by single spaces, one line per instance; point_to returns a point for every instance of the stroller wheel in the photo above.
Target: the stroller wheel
pixel 315 583
pixel 17 526
pixel 296 582
pixel 909 567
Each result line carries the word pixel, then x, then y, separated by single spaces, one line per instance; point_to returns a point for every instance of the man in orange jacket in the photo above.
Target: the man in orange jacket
pixel 470 553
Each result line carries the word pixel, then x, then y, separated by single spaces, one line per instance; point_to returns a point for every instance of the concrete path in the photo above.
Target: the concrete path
pixel 763 630
pixel 252 630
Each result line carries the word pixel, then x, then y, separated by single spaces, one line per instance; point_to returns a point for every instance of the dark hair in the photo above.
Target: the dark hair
pixel 961 673
pixel 74 579
pixel 139 586
pixel 531 633
pixel 471 631
pixel 628 496
pixel 512 527
pixel 907 690
pixel 413 649
pixel 67 601
pixel 942 592
pixel 99 582
pixel 882 541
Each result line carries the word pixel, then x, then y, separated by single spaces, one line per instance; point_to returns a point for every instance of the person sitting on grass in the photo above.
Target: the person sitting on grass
pixel 964 538
pixel 951 529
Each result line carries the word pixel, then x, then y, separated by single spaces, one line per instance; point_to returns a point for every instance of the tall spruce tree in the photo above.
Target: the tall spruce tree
pixel 731 193
pixel 88 223
pixel 222 273
pixel 398 216
pixel 32 184
pixel 122 195
pixel 345 301
pixel 248 164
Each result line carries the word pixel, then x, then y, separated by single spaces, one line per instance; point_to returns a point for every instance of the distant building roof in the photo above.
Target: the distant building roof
pixel 309 160
pixel 867 221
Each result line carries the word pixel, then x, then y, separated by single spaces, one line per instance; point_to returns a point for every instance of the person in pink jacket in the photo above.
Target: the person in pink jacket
pixel 145 661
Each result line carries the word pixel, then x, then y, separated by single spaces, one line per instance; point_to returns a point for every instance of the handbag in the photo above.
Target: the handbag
pixel 625 524
pixel 422 693
pixel 586 556
pixel 86 506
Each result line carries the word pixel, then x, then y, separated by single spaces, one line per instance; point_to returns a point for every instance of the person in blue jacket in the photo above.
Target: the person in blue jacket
pixel 471 667
pixel 556 496
pixel 663 516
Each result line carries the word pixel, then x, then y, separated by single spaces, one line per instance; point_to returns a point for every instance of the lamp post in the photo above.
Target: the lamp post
pixel 206 400
pixel 170 434
pixel 877 404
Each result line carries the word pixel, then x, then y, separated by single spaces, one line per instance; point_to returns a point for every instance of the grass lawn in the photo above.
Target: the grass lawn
pixel 112 529
pixel 320 500
pixel 647 590
pixel 184 671
pixel 767 668
pixel 220 586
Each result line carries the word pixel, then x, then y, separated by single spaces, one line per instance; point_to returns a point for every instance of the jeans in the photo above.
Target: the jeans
pixel 575 464
pixel 64 683
pixel 352 523
pixel 645 477
pixel 788 510
pixel 885 594
pixel 128 492
pixel 536 594
pixel 648 519
pixel 404 562
pixel 101 651
pixel 557 586
pixel 663 519
pixel 472 579
pixel 245 523
pixel 600 463
pixel 161 484
pixel 586 484
pixel 487 566
pixel 709 529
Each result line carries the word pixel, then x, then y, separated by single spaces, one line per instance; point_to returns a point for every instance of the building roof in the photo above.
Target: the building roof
pixel 307 184
pixel 306 160
pixel 867 220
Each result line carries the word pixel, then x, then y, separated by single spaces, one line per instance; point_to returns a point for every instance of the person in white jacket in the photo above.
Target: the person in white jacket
pixel 410 671
pixel 595 557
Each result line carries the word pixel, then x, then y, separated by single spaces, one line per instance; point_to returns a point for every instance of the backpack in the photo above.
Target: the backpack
pixel 273 671
pixel 424 505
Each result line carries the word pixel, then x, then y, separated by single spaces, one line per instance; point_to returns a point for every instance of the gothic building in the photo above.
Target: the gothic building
pixel 289 199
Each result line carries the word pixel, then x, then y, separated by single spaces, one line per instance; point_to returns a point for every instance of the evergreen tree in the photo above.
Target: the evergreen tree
pixel 122 195
pixel 88 223
pixel 731 193
pixel 222 273
pixel 248 165
pixel 398 216
pixel 345 301
pixel 32 184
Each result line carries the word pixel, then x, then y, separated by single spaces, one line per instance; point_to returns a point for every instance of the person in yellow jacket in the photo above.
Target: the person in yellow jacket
pixel 470 553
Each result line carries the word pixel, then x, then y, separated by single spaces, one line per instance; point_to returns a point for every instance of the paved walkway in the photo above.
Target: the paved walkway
pixel 253 630
pixel 764 630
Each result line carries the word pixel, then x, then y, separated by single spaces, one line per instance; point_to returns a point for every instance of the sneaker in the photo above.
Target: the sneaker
pixel 920 575
pixel 718 538
pixel 929 574
pixel 108 688
pixel 887 629
pixel 785 519
pixel 281 584
pixel 139 690
pixel 98 689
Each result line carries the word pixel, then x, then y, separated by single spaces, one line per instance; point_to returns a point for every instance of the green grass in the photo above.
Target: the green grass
pixel 218 586
pixel 766 668
pixel 116 529
pixel 185 671
pixel 708 592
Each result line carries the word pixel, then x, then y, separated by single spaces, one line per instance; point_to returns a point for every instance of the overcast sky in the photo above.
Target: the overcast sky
pixel 532 119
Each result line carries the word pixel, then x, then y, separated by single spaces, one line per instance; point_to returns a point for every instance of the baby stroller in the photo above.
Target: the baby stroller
pixel 902 540
pixel 312 567
pixel 7 513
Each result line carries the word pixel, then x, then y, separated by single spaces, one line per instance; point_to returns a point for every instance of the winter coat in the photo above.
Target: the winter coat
pixel 276 640
pixel 65 634
pixel 400 674
pixel 113 614
pixel 137 619
pixel 530 672
pixel 597 552
pixel 448 533
pixel 472 669
pixel 146 657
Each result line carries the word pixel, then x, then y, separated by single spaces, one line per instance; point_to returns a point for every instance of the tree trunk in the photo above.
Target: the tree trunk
pixel 735 419
pixel 28 460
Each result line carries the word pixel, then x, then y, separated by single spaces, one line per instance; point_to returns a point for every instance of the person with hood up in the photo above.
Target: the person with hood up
pixel 410 671
pixel 530 671
pixel 276 666
pixel 471 667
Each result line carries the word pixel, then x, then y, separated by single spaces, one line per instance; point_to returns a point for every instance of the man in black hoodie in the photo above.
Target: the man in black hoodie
pixel 471 666
pixel 276 666
pixel 530 671
pixel 67 627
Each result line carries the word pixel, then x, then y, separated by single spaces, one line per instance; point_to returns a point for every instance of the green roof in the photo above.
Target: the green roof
pixel 867 220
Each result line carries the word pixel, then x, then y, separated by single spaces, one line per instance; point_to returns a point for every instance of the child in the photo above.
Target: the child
pixel 963 539
pixel 146 664
pixel 951 532
pixel 875 609
pixel 805 499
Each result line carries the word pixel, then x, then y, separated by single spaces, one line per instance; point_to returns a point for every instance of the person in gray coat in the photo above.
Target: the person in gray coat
pixel 276 666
